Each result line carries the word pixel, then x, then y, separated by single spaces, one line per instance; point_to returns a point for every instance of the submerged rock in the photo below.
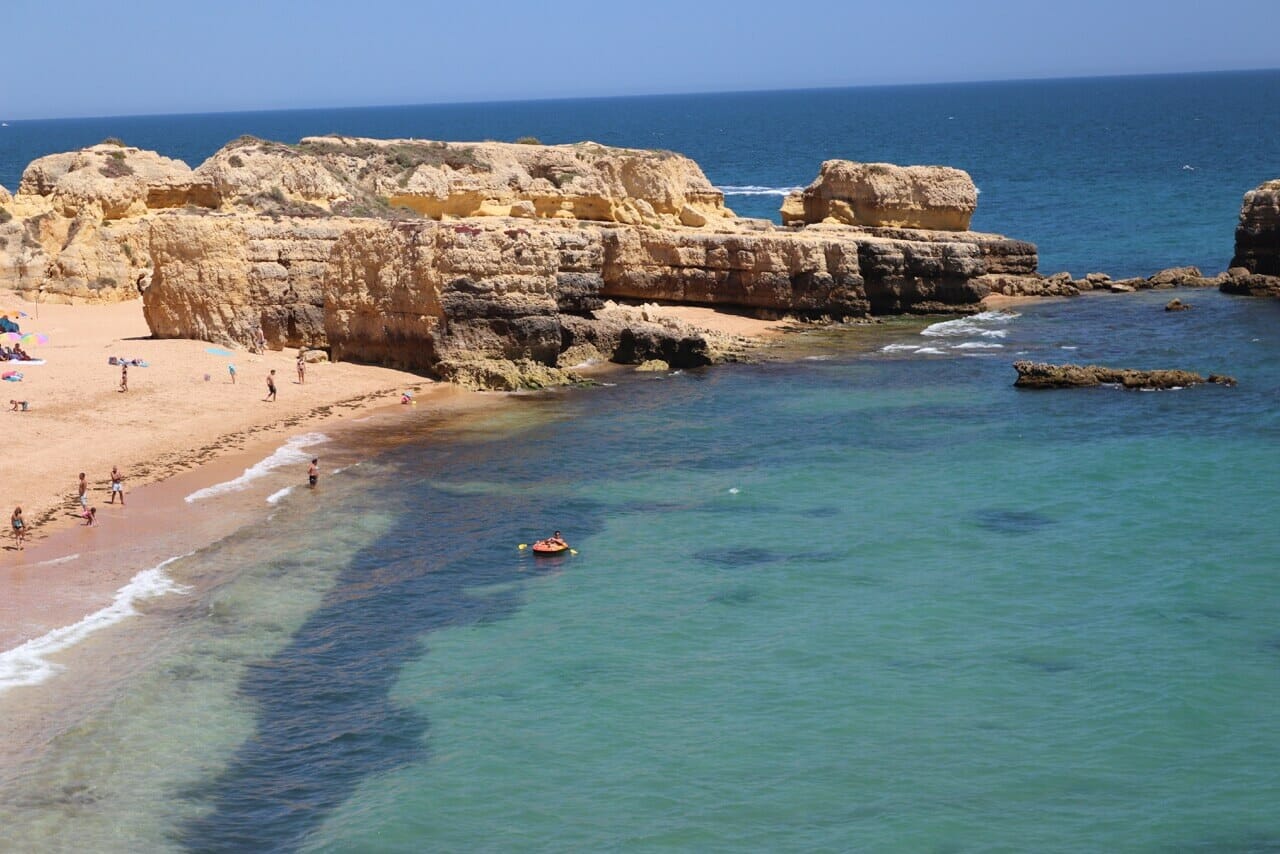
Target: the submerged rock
pixel 1043 375
pixel 1177 305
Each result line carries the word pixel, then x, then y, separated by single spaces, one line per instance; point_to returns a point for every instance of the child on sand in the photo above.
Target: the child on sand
pixel 302 367
pixel 271 386
pixel 90 516
pixel 18 406
pixel 19 527
pixel 313 473
pixel 124 376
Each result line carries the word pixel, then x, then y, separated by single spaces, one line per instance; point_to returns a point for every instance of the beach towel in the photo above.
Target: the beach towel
pixel 11 377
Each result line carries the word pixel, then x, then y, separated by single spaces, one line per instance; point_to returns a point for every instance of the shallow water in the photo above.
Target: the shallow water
pixel 872 600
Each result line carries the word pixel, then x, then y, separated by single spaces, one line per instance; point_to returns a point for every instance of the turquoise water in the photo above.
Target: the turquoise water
pixel 854 599
pixel 1124 175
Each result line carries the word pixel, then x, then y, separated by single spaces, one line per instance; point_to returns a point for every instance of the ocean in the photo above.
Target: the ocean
pixel 862 595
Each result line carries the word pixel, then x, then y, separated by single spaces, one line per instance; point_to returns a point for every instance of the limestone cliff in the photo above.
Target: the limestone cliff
pixel 464 259
pixel 882 194
pixel 1258 232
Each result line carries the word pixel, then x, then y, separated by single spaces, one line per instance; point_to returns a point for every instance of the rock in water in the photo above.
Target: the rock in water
pixel 1177 305
pixel 1042 375
pixel 1258 232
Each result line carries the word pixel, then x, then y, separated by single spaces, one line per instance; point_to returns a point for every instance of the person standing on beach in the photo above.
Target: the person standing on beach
pixel 302 367
pixel 84 492
pixel 124 376
pixel 271 386
pixel 117 486
pixel 231 369
pixel 313 472
pixel 19 527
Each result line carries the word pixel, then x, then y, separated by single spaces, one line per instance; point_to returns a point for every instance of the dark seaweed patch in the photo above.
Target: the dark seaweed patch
pixel 1011 521
pixel 735 596
pixel 741 557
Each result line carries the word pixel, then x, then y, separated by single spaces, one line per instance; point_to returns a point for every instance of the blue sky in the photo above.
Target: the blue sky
pixel 117 57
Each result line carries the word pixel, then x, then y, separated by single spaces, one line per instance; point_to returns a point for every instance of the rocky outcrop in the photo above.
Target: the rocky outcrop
pixel 1238 280
pixel 1177 305
pixel 112 180
pixel 479 261
pixel 1041 375
pixel 1258 231
pixel 585 181
pixel 882 194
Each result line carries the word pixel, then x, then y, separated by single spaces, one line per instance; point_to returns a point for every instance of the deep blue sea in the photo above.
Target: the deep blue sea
pixel 863 595
pixel 1123 175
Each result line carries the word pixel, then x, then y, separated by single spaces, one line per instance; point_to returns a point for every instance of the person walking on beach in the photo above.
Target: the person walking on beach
pixel 19 527
pixel 117 486
pixel 313 473
pixel 83 487
pixel 271 386
pixel 231 369
pixel 124 376
pixel 302 367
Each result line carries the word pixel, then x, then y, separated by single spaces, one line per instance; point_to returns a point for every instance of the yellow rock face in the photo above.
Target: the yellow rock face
pixel 884 195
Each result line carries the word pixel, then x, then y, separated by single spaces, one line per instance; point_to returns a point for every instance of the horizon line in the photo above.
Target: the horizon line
pixel 699 93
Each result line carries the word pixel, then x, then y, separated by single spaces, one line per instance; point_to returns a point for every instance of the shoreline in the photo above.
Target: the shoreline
pixel 47 588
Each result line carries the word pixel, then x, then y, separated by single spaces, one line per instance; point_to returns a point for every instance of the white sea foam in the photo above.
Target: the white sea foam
pixel 819 358
pixel 929 351
pixel 733 490
pixel 978 345
pixel 756 190
pixel 1068 347
pixel 29 664
pixel 277 496
pixel 57 560
pixel 288 453
pixel 974 326
pixel 898 348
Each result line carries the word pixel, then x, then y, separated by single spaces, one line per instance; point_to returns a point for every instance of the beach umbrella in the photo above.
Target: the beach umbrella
pixel 35 339
pixel 10 337
pixel 217 351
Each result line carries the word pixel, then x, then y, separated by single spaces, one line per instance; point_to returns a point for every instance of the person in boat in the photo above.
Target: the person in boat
pixel 555 541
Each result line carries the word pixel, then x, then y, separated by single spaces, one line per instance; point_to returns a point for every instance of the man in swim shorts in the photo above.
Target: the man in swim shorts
pixel 117 486
pixel 271 386
pixel 84 492
pixel 313 473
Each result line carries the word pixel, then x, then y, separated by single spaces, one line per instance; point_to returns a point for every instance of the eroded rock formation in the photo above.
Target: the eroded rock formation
pixel 465 259
pixel 1042 375
pixel 882 194
pixel 1258 232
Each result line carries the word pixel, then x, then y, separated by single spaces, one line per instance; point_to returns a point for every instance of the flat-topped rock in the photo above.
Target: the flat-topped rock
pixel 1040 375
pixel 883 194
pixel 584 181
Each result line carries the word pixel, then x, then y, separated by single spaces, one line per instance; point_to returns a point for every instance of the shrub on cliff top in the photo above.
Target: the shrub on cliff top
pixel 528 140
pixel 115 167
pixel 112 140
pixel 400 156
